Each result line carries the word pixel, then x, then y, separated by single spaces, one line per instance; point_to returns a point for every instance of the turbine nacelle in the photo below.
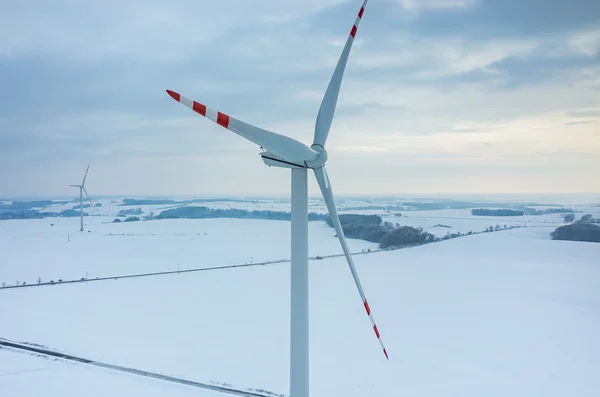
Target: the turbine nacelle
pixel 273 160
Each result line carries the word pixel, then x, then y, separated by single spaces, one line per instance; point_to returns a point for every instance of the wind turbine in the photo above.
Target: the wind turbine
pixel 285 152
pixel 81 190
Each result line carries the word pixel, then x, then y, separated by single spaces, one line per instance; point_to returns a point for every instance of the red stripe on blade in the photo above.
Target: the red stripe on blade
pixel 376 331
pixel 367 308
pixel 174 95
pixel 353 31
pixel 386 356
pixel 360 13
pixel 223 119
pixel 199 108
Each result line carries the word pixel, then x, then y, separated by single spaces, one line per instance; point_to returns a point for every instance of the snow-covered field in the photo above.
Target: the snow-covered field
pixel 441 222
pixel 32 248
pixel 509 313
pixel 26 375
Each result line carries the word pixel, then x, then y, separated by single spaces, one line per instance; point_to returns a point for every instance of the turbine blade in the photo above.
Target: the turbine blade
pixel 85 176
pixel 86 193
pixel 323 180
pixel 327 109
pixel 283 146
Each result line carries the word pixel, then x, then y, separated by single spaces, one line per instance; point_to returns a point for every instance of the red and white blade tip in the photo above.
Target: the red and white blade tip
pixel 368 309
pixel 174 95
pixel 218 117
pixel 358 18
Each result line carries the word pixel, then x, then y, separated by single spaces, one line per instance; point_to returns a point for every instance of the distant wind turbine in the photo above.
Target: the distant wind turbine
pixel 282 151
pixel 81 190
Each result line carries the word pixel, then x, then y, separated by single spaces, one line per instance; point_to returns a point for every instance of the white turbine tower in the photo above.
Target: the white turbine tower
pixel 81 190
pixel 285 152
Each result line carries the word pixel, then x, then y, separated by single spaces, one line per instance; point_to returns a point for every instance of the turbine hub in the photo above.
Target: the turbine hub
pixel 321 158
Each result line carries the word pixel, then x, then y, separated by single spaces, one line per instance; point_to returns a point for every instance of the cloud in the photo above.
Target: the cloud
pixel 150 29
pixel 414 5
pixel 486 19
pixel 439 84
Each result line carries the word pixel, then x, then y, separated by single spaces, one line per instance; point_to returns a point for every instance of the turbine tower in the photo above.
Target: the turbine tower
pixel 285 152
pixel 81 190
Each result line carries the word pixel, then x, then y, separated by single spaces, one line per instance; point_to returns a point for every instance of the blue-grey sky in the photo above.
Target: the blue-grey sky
pixel 439 96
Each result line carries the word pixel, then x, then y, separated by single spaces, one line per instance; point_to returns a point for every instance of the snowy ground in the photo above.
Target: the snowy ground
pixel 26 375
pixel 32 248
pixel 509 313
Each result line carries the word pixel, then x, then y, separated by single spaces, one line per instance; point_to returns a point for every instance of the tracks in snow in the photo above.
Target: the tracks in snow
pixel 31 348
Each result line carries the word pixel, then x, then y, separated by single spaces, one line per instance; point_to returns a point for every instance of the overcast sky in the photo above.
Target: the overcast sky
pixel 439 96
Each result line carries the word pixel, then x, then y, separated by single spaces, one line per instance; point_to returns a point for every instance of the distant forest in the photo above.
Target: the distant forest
pixel 518 212
pixel 33 214
pixel 194 212
pixel 526 207
pixel 130 201
pixel 496 212
pixel 24 210
pixel 585 229
pixel 27 205
pixel 97 205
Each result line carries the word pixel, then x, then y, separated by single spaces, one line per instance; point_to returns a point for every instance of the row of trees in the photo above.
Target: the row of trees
pixel 588 218
pixel 27 205
pixel 128 219
pixel 546 211
pixel 194 212
pixel 519 212
pixel 496 212
pixel 97 205
pixel 130 211
pixel 33 214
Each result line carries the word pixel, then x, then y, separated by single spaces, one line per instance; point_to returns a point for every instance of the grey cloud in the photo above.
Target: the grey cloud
pixel 585 113
pixel 579 122
pixel 95 89
pixel 508 18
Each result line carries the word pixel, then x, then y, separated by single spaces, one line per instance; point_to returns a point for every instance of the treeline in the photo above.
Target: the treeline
pixel 33 214
pixel 195 212
pixel 568 218
pixel 496 212
pixel 97 205
pixel 27 214
pixel 546 211
pixel 578 231
pixel 363 227
pixel 373 208
pixel 519 211
pixel 130 211
pixel 27 205
pixel 128 219
pixel 372 228
pixel 130 201
pixel 586 229
pixel 387 235
pixel 444 204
